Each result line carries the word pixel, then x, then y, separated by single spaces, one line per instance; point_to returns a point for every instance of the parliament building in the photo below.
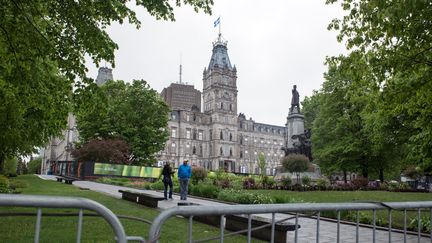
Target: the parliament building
pixel 217 136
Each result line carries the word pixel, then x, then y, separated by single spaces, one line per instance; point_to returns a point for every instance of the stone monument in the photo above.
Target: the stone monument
pixel 297 140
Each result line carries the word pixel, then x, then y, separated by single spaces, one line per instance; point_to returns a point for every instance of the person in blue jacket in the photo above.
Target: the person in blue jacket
pixel 184 174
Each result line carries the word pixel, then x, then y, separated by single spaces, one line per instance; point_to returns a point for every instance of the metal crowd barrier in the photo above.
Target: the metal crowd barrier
pixel 39 202
pixel 296 209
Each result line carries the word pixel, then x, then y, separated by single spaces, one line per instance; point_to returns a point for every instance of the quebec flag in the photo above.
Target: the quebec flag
pixel 217 22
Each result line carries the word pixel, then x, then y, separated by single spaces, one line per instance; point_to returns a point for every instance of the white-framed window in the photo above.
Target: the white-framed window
pixel 187 117
pixel 200 135
pixel 173 132
pixel 188 133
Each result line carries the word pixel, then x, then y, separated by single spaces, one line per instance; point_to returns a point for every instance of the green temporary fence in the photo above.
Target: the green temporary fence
pixel 126 170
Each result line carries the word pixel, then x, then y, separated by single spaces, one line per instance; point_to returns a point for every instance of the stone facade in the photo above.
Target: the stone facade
pixel 218 137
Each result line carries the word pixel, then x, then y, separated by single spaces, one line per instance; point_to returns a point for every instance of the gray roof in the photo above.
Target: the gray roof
pixel 220 57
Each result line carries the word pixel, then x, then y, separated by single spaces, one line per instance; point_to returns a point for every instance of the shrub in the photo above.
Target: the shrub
pixel 286 181
pixel 4 184
pixel 270 183
pixel 424 224
pixel 360 182
pixel 10 167
pixel 237 184
pixel 322 183
pixel 198 174
pixel 295 163
pixel 306 181
pixel 205 190
pixel 243 197
pixel 158 185
pixel 249 183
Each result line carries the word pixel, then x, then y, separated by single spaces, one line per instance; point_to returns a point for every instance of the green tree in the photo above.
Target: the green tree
pixel 132 112
pixel 262 168
pixel 295 163
pixel 395 38
pixel 113 150
pixel 34 166
pixel 310 109
pixel 42 48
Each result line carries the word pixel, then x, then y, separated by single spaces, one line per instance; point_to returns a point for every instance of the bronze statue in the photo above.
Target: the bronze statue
pixel 295 100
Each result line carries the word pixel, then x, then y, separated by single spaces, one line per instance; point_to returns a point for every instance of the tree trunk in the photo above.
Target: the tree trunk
pixel 365 172
pixel 381 175
pixel 345 176
pixel 2 158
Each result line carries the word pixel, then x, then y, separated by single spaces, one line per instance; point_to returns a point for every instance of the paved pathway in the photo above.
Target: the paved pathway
pixel 307 232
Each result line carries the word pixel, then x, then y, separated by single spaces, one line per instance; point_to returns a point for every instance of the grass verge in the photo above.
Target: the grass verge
pixel 63 229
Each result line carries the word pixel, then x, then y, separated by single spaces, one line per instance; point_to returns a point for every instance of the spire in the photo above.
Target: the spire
pixel 104 75
pixel 220 58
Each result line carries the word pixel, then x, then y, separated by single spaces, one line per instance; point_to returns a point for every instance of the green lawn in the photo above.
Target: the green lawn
pixel 281 196
pixel 63 229
pixel 344 196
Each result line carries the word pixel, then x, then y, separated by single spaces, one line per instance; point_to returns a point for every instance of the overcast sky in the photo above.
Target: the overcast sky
pixel 274 45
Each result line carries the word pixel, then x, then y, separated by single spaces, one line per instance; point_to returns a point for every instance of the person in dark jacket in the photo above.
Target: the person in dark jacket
pixel 184 174
pixel 167 172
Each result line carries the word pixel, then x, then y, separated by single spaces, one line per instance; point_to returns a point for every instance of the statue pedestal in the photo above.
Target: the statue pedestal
pixel 295 126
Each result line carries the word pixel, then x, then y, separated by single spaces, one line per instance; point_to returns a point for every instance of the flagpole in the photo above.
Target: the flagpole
pixel 219 26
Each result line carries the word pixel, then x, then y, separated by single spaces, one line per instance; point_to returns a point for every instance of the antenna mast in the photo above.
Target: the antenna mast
pixel 180 73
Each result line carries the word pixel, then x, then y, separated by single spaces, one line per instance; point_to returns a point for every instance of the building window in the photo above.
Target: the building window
pixel 188 134
pixel 241 140
pixel 187 117
pixel 201 150
pixel 211 135
pixel 230 151
pixel 241 154
pixel 173 132
pixel 230 137
pixel 221 151
pixel 193 150
pixel 194 135
pixel 221 105
pixel 173 117
pixel 230 107
pixel 194 117
pixel 200 135
pixel 221 135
